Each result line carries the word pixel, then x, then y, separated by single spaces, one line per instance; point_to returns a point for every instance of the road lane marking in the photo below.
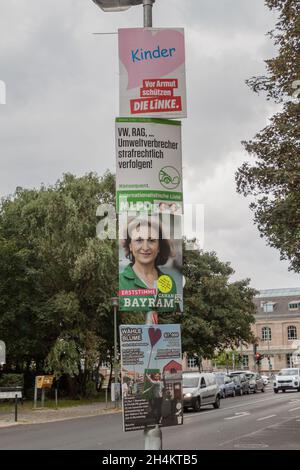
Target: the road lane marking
pixel 244 404
pixel 294 409
pixel 265 426
pixel 251 445
pixel 239 415
pixel 265 417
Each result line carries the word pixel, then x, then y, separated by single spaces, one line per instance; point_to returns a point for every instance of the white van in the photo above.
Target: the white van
pixel 200 389
pixel 287 379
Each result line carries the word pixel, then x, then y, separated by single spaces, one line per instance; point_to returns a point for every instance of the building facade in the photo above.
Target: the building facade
pixel 277 333
pixel 277 329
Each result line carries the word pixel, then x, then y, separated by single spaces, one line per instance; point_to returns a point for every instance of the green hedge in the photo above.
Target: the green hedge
pixel 12 380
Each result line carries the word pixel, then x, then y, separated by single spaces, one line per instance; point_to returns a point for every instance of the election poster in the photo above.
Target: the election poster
pixel 150 263
pixel 151 376
pixel 152 72
pixel 149 165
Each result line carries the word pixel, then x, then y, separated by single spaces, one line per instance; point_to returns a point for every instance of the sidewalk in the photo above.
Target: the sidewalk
pixel 46 415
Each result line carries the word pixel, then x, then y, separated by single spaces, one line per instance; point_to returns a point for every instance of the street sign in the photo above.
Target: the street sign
pixel 105 382
pixel 44 381
pixel 8 395
pixel 152 72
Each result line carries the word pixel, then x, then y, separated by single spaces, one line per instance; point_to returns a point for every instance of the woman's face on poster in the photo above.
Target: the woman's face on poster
pixel 144 245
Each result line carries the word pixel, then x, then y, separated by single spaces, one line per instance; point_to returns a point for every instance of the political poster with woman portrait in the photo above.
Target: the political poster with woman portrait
pixel 150 263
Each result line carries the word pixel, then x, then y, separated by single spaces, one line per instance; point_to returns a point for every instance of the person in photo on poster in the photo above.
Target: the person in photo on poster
pixel 155 390
pixel 146 248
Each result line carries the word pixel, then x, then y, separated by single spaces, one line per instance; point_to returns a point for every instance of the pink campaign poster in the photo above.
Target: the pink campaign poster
pixel 152 72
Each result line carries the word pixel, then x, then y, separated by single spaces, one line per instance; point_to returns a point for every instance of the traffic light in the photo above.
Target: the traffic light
pixel 258 357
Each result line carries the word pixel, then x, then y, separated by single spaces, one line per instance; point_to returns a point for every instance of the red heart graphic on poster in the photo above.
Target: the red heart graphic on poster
pixel 154 335
pixel 133 42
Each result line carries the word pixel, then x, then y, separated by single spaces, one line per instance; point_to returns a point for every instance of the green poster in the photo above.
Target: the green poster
pixel 149 165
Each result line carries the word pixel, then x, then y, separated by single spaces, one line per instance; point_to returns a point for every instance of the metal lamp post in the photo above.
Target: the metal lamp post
pixel 153 437
pixel 241 355
pixel 115 304
pixel 265 307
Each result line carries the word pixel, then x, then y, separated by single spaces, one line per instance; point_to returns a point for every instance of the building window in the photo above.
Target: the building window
pixel 245 361
pixel 268 307
pixel 293 305
pixel 192 362
pixel 292 332
pixel 105 365
pixel 266 334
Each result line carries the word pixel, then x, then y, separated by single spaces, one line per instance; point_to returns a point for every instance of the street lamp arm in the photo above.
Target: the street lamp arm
pixel 118 5
pixel 104 5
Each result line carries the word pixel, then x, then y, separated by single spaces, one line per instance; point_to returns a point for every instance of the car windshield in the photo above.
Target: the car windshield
pixel 236 378
pixel 250 376
pixel 288 372
pixel 220 379
pixel 190 382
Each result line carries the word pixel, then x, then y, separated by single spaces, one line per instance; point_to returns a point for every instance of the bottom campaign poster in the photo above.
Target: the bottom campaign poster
pixel 151 376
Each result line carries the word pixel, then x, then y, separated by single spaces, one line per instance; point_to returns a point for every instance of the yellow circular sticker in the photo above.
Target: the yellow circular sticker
pixel 164 284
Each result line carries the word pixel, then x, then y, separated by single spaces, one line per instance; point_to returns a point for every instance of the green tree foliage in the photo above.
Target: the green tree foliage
pixel 273 180
pixel 63 359
pixel 56 276
pixel 57 279
pixel 217 313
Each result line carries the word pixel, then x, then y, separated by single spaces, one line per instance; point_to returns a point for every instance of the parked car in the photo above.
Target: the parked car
pixel 256 382
pixel 241 372
pixel 241 383
pixel 226 385
pixel 200 389
pixel 265 379
pixel 287 379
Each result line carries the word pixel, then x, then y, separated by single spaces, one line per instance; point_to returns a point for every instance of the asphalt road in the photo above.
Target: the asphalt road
pixel 261 421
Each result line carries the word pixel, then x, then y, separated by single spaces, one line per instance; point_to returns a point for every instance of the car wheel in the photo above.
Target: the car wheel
pixel 216 404
pixel 275 390
pixel 197 404
pixel 283 391
pixel 299 389
pixel 263 390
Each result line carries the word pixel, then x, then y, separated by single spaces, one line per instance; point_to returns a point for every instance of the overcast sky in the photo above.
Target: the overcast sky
pixel 62 99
